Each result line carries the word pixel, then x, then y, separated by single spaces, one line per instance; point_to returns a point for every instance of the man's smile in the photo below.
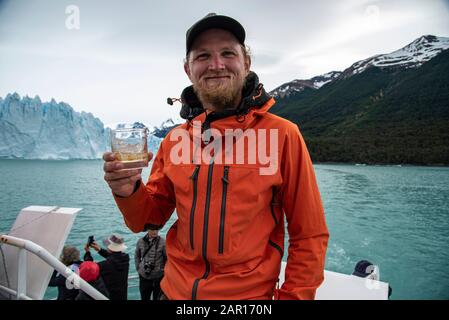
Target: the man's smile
pixel 217 78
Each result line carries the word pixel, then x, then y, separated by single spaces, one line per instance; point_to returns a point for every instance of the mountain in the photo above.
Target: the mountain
pixel 164 128
pixel 32 129
pixel 153 141
pixel 391 108
pixel 411 56
pixel 297 86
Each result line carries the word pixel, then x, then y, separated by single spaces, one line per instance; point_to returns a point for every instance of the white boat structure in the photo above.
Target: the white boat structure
pixel 28 256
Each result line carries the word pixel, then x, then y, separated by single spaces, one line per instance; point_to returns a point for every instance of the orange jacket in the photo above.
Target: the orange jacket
pixel 228 240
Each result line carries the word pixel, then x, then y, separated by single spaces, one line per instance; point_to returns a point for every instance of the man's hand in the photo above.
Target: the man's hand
pixel 95 246
pixel 121 182
pixel 86 247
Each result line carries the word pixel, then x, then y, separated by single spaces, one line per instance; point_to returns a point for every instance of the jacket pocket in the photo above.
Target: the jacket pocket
pixel 185 179
pixel 225 183
pixel 244 213
pixel 194 178
pixel 275 203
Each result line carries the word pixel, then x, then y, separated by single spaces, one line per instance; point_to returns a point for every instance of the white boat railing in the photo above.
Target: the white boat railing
pixel 73 280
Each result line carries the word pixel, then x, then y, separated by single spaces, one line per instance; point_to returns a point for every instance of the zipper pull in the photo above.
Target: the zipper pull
pixel 194 175
pixel 207 133
pixel 225 175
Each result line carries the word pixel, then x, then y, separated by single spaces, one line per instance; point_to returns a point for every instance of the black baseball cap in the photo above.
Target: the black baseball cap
pixel 214 21
pixel 361 269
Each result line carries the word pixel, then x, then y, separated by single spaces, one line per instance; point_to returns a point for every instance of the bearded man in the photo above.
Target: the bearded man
pixel 228 239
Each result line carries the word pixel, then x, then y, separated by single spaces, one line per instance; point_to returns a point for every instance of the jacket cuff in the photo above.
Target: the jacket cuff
pixel 136 187
pixel 130 208
pixel 137 193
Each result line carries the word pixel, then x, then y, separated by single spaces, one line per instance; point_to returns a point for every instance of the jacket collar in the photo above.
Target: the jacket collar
pixel 147 238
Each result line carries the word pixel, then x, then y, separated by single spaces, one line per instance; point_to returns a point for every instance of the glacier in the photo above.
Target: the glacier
pixel 32 129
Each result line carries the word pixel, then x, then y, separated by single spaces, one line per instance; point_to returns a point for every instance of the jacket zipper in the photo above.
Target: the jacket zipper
pixel 205 229
pixel 278 248
pixel 194 177
pixel 272 204
pixel 223 209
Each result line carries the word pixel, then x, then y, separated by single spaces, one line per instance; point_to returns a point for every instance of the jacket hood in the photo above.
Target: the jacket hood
pixel 253 93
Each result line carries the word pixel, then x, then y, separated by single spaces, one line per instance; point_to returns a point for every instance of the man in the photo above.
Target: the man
pixel 114 270
pixel 150 259
pixel 229 237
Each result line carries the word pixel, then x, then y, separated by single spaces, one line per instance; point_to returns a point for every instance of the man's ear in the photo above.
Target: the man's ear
pixel 187 68
pixel 247 63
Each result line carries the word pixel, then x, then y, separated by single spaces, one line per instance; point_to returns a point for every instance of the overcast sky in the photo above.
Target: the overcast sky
pixel 126 57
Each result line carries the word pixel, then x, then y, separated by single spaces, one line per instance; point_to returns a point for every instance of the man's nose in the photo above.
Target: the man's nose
pixel 216 63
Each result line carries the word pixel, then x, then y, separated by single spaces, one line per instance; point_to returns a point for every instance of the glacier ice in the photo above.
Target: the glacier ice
pixel 32 129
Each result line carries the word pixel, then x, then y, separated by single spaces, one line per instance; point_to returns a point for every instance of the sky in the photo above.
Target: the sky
pixel 121 60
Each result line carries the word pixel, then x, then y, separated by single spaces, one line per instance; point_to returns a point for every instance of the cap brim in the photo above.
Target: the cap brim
pixel 360 274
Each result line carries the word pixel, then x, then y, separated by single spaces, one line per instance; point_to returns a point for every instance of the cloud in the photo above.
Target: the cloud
pixel 126 59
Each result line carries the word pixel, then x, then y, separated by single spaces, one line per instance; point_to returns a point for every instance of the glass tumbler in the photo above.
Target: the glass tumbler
pixel 130 147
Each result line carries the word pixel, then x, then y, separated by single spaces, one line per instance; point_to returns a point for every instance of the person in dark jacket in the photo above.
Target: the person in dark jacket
pixel 150 259
pixel 90 272
pixel 70 257
pixel 114 270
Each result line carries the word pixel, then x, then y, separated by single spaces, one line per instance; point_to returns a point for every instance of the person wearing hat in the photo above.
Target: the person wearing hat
pixel 90 272
pixel 150 258
pixel 228 240
pixel 114 270
pixel 366 269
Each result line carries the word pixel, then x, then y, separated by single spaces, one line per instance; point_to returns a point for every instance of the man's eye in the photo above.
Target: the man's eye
pixel 202 56
pixel 228 53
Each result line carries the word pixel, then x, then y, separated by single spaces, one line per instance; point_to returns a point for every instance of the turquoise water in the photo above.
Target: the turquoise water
pixel 396 217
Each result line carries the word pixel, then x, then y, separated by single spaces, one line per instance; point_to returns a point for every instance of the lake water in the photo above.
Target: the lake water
pixel 396 217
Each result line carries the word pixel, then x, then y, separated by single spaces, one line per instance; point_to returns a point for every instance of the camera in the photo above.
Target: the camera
pixel 149 266
pixel 90 240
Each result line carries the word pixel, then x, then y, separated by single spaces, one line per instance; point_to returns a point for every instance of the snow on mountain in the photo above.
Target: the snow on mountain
pixel 291 87
pixel 167 123
pixel 153 141
pixel 296 86
pixel 411 56
pixel 31 129
pixel 320 81
pixel 165 127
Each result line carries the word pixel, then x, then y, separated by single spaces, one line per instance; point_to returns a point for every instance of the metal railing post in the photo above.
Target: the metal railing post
pixel 22 274
pixel 26 245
